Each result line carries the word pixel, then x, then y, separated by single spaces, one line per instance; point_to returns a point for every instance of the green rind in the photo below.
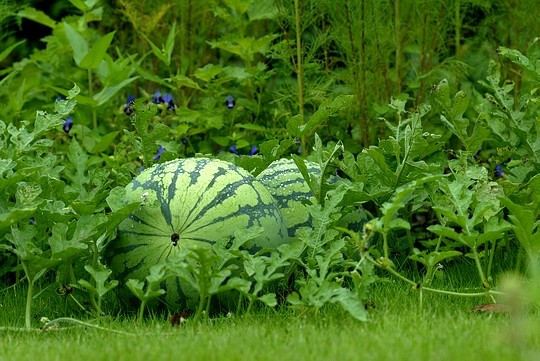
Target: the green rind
pixel 202 200
pixel 286 184
pixel 291 192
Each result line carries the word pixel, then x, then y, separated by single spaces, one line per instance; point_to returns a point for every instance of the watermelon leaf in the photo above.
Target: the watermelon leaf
pixel 158 274
pixel 324 284
pixel 269 299
pixel 146 142
pixel 100 276
pixel 526 226
pixel 98 286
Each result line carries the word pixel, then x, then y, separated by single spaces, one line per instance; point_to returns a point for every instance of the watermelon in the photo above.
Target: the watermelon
pixel 292 193
pixel 191 202
pixel 286 184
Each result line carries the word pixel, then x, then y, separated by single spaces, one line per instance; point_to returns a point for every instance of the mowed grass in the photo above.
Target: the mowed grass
pixel 398 329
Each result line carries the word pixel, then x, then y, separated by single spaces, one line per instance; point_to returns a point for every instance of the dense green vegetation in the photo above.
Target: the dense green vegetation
pixel 424 116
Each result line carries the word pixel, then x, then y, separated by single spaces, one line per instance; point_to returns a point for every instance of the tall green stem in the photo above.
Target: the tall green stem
pixel 299 69
pixel 141 310
pixel 99 307
pixel 385 245
pixel 479 267
pixel 363 81
pixel 490 263
pixel 28 310
pixel 91 94
pixel 200 308
pixel 457 26
pixel 29 294
pixel 248 309
pixel 397 24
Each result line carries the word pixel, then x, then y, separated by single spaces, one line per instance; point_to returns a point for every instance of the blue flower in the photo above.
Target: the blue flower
pixel 157 97
pixel 254 150
pixel 498 171
pixel 233 149
pixel 32 221
pixel 230 102
pixel 159 153
pixel 59 98
pixel 477 154
pixel 183 140
pixel 68 124
pixel 167 98
pixel 297 142
pixel 128 108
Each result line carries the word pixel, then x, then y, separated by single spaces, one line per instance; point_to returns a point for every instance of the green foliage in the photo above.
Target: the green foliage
pixel 145 144
pixel 52 211
pixel 153 286
pixel 99 286
pixel 525 225
pixel 445 175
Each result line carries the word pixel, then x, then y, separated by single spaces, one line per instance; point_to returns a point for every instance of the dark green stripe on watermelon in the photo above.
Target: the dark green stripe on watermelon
pixel 191 202
pixel 291 192
pixel 286 184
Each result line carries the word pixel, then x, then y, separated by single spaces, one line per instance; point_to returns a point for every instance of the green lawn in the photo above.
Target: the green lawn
pixel 444 329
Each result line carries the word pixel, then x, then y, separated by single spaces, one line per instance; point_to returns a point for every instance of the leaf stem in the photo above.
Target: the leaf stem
pixel 91 94
pixel 434 290
pixel 141 310
pixel 51 325
pixel 28 310
pixel 248 309
pixel 490 263
pixel 200 308
pixel 479 267
pixel 385 244
pixel 29 292
pixel 79 304
pixel 407 151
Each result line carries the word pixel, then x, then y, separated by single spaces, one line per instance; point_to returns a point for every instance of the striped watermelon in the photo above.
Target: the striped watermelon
pixel 191 202
pixel 286 184
pixel 288 187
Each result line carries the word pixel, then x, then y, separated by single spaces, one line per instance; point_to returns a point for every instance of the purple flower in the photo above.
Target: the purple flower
pixel 498 171
pixel 159 153
pixel 68 124
pixel 167 98
pixel 183 140
pixel 254 150
pixel 230 102
pixel 59 98
pixel 233 149
pixel 157 97
pixel 128 108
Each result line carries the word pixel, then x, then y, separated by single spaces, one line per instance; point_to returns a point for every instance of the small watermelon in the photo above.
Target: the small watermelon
pixel 286 184
pixel 291 192
pixel 191 202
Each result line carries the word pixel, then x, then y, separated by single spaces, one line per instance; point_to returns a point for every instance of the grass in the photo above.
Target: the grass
pixel 399 329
